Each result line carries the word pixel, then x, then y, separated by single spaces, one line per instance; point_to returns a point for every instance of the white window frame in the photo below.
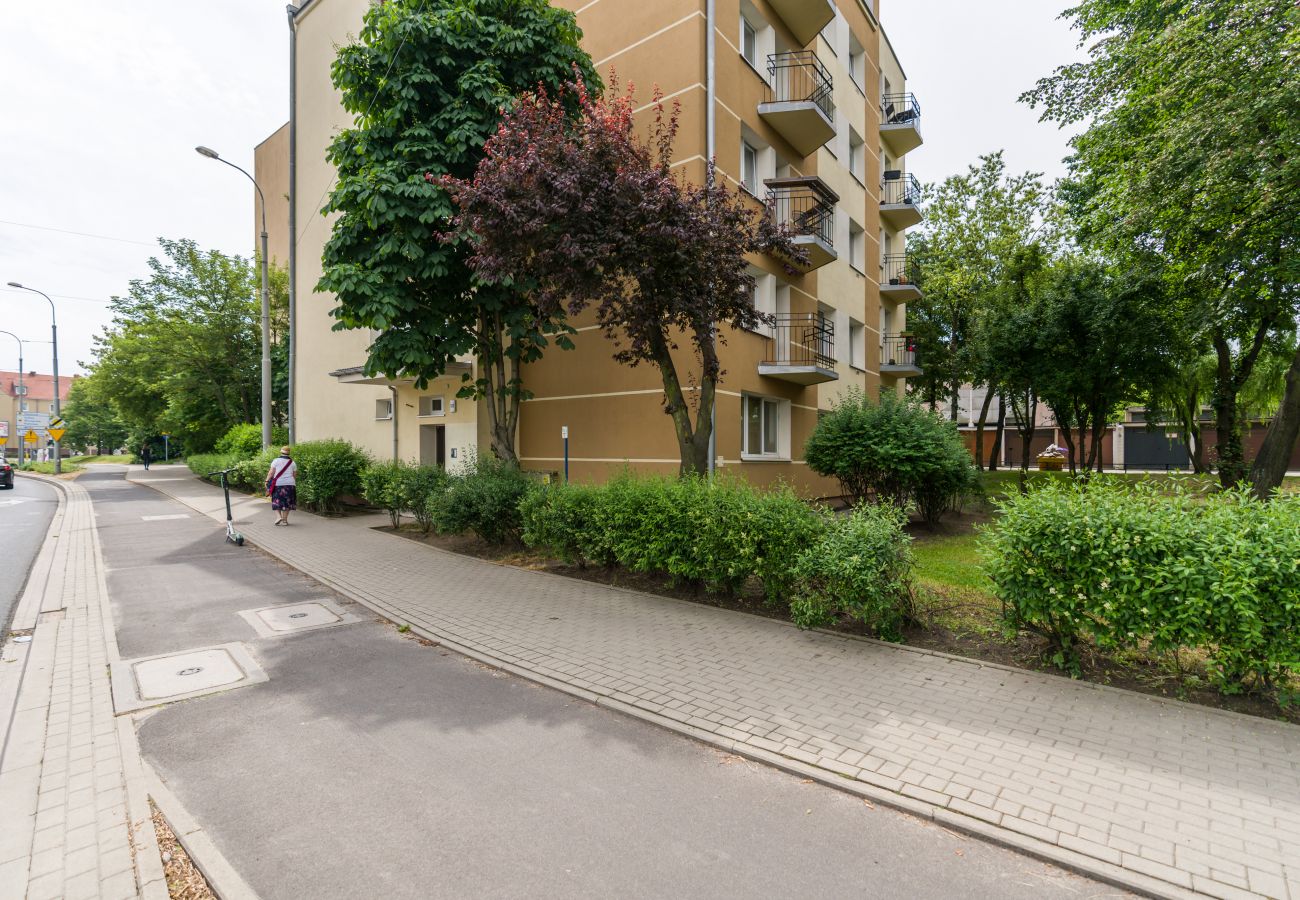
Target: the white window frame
pixel 857 345
pixel 749 162
pixel 857 247
pixel 857 64
pixel 748 41
pixel 436 406
pixel 771 409
pixel 381 404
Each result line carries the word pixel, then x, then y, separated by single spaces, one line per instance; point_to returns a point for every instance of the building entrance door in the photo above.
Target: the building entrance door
pixel 433 445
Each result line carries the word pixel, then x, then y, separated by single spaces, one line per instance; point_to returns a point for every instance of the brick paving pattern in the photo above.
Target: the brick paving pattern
pixel 65 819
pixel 1195 798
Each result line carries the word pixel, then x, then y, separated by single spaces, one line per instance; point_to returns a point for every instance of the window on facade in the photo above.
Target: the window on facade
pixel 857 156
pixel 749 42
pixel 857 344
pixel 857 63
pixel 749 167
pixel 762 426
pixel 430 405
pixel 857 245
pixel 384 408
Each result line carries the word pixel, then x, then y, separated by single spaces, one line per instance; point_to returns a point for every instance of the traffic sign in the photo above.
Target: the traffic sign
pixel 34 421
pixel 31 437
pixel 56 428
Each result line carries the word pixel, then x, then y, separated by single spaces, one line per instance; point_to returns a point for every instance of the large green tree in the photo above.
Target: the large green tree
pixel 426 82
pixel 1191 152
pixel 182 353
pixel 92 418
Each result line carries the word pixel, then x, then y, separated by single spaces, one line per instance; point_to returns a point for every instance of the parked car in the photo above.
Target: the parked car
pixel 6 473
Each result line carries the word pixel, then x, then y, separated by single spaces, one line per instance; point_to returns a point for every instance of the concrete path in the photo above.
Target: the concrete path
pixel 1156 795
pixel 74 819
pixel 24 518
pixel 404 770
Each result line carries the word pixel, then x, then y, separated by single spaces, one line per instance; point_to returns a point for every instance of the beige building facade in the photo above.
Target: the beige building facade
pixel 810 117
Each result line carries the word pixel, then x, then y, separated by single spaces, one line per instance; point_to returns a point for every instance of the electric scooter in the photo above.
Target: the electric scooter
pixel 232 536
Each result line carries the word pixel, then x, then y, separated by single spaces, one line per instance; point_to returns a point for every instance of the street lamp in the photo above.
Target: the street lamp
pixel 266 302
pixel 54 333
pixel 22 392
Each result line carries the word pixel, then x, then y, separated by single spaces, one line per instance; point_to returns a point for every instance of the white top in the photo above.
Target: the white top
pixel 286 468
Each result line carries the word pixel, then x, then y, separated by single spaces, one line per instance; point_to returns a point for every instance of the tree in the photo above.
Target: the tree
pixel 590 215
pixel 183 351
pixel 426 82
pixel 1190 153
pixel 92 419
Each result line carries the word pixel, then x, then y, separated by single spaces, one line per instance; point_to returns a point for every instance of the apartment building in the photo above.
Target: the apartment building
pixel 809 115
pixel 26 392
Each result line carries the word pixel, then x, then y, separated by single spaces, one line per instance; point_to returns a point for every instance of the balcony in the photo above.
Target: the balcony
pixel 800 105
pixel 804 18
pixel 900 200
pixel 898 279
pixel 806 206
pixel 801 350
pixel 898 356
pixel 900 123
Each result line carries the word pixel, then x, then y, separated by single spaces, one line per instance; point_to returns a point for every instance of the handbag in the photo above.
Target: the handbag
pixel 270 482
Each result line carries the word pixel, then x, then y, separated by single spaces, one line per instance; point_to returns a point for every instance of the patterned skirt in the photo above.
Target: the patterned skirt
pixel 284 496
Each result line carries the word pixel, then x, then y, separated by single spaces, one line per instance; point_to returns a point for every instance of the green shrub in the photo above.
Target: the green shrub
pixel 894 450
pixel 483 497
pixel 328 471
pixel 421 488
pixel 1121 565
pixel 717 534
pixel 202 464
pixel 383 485
pixel 861 568
pixel 244 441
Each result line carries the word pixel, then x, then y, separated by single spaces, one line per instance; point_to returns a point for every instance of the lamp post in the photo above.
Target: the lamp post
pixel 22 392
pixel 266 302
pixel 54 333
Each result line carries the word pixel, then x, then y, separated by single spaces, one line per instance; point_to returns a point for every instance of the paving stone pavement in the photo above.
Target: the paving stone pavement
pixel 72 823
pixel 1158 795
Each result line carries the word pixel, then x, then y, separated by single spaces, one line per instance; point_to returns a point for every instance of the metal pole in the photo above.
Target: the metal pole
pixel 293 225
pixel 54 331
pixel 22 395
pixel 710 124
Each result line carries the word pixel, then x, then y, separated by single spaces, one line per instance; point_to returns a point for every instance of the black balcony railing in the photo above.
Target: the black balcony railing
pixel 902 187
pixel 805 205
pixel 899 109
pixel 899 350
pixel 802 340
pixel 898 269
pixel 800 77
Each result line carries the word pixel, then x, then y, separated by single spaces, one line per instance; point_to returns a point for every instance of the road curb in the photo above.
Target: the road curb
pixel 1097 869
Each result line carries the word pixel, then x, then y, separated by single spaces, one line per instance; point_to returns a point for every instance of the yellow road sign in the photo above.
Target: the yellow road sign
pixel 31 437
pixel 56 433
pixel 56 422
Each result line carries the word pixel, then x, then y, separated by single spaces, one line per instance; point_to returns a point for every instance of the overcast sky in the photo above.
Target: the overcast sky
pixel 103 103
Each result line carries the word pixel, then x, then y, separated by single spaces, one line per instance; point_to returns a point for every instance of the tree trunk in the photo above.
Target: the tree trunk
pixel 502 393
pixel 995 455
pixel 1027 430
pixel 1275 453
pixel 1232 463
pixel 979 428
pixel 692 461
pixel 956 402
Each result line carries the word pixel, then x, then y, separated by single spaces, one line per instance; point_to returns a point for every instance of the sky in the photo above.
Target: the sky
pixel 104 103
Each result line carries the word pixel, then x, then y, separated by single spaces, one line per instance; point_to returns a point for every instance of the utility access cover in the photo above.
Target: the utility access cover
pixel 138 683
pixel 274 621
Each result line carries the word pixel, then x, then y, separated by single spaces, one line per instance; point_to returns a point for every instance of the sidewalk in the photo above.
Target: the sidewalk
pixel 1154 795
pixel 74 818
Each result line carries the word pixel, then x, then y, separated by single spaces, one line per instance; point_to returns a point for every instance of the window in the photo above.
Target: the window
pixel 857 156
pixel 748 42
pixel 749 167
pixel 384 408
pixel 857 245
pixel 762 426
pixel 430 406
pixel 857 64
pixel 764 295
pixel 857 344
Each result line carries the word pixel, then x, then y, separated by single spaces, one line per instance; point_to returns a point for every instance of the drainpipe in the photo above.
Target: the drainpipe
pixel 293 223
pixel 395 456
pixel 710 128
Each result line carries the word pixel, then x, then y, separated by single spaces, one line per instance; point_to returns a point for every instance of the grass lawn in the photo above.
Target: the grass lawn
pixel 47 468
pixel 87 460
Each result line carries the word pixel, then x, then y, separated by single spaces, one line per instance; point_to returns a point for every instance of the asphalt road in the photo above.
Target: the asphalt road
pixel 25 514
pixel 375 765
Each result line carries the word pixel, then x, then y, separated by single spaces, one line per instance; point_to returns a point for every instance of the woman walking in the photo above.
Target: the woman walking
pixel 282 485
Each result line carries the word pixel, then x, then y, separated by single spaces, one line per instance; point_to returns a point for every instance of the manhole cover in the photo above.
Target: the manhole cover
pixel 139 683
pixel 273 621
pixel 23 639
pixel 192 670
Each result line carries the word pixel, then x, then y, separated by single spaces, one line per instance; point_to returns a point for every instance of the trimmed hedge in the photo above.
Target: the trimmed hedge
pixel 245 440
pixel 398 487
pixel 718 534
pixel 1123 565
pixel 327 471
pixel 483 497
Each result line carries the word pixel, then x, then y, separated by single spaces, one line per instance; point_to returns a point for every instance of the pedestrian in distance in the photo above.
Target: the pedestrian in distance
pixel 282 485
pixel 146 456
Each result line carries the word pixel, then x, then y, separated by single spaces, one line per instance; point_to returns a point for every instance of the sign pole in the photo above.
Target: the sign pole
pixel 564 433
